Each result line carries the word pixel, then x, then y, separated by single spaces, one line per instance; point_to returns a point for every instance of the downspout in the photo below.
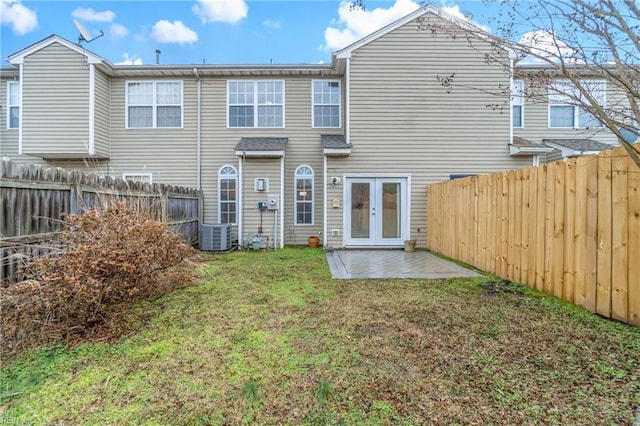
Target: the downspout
pixel 347 102
pixel 324 200
pixel 241 165
pixel 92 109
pixel 282 201
pixel 512 70
pixel 198 132
pixel 20 109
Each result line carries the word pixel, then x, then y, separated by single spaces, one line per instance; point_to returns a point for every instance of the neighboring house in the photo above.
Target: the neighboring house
pixel 344 150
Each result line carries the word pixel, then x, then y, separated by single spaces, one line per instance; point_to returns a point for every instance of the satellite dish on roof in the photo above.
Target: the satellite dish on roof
pixel 85 35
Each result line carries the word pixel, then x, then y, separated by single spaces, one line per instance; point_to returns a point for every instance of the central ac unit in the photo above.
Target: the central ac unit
pixel 215 237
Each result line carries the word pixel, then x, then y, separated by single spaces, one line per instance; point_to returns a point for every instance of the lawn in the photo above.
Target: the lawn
pixel 270 338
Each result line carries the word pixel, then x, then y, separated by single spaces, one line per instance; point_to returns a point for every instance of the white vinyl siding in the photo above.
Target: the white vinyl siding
pixel 304 197
pixel 13 104
pixel 517 103
pixel 255 103
pixel 154 104
pixel 326 103
pixel 564 104
pixel 227 194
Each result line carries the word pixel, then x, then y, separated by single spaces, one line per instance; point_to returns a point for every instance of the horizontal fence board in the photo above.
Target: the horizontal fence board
pixel 570 229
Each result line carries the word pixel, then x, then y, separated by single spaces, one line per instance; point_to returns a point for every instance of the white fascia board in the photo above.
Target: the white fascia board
pixel 248 154
pixel 515 150
pixel 345 53
pixel 336 151
pixel 18 58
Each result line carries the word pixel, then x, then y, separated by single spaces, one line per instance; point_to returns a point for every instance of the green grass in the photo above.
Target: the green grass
pixel 270 338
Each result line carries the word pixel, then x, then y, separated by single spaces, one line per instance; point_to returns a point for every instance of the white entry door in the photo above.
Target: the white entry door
pixel 376 211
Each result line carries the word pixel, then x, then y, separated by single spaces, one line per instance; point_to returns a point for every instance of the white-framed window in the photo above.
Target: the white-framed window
pixel 517 103
pixel 227 194
pixel 564 103
pixel 304 204
pixel 138 177
pixel 154 104
pixel 326 103
pixel 255 103
pixel 13 104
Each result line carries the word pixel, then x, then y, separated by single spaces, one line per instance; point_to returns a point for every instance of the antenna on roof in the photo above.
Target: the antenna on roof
pixel 85 35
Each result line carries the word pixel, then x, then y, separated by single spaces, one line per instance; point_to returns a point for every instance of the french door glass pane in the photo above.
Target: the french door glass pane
pixel 391 210
pixel 360 210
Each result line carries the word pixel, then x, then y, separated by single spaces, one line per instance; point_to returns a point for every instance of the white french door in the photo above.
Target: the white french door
pixel 376 211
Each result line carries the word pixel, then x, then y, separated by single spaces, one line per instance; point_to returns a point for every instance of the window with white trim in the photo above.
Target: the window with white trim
pixel 154 104
pixel 326 103
pixel 255 103
pixel 565 101
pixel 304 195
pixel 13 104
pixel 517 103
pixel 138 177
pixel 227 194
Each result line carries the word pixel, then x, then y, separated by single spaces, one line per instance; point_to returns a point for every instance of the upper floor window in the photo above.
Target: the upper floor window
pixel 13 104
pixel 227 194
pixel 152 104
pixel 517 103
pixel 326 103
pixel 255 103
pixel 565 102
pixel 304 195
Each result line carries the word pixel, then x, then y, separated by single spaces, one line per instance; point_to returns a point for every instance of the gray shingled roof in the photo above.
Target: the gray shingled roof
pixel 579 144
pixel 334 142
pixel 262 144
pixel 525 143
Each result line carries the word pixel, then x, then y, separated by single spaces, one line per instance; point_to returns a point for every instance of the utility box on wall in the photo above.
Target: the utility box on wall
pixel 261 184
pixel 273 202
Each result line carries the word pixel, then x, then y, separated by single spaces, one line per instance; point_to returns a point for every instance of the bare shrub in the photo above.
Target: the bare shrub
pixel 107 260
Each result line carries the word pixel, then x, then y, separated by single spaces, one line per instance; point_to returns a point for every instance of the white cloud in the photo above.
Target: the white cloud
pixel 134 60
pixel 229 11
pixel 88 14
pixel 456 13
pixel 272 24
pixel 173 32
pixel 21 19
pixel 352 25
pixel 545 44
pixel 118 31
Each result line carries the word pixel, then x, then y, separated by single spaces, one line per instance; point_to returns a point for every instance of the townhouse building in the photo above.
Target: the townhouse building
pixel 342 150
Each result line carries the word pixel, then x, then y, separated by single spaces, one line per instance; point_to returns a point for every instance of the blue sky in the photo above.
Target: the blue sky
pixel 209 31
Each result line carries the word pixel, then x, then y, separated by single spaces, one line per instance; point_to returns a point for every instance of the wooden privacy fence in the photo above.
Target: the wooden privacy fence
pixel 570 229
pixel 34 199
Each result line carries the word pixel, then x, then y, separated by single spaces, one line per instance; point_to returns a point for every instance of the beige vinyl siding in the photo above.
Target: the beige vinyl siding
pixel 102 112
pixel 260 168
pixel 55 100
pixel 404 121
pixel 169 154
pixel 536 122
pixel 218 143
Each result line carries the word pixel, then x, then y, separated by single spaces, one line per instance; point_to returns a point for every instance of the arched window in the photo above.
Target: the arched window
pixel 227 194
pixel 304 195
